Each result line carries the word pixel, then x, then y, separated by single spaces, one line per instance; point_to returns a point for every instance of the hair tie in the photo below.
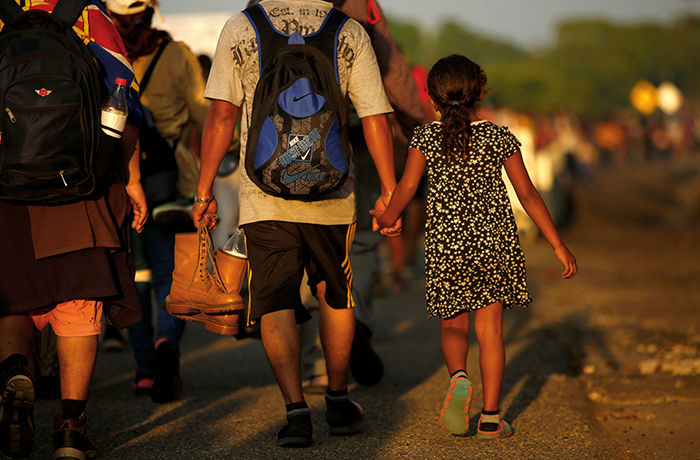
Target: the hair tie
pixel 455 103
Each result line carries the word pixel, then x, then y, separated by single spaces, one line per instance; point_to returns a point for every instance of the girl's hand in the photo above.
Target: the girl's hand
pixel 386 228
pixel 568 260
pixel 390 229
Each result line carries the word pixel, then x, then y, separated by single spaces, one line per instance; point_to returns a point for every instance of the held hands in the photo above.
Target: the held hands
pixel 568 260
pixel 137 200
pixel 386 228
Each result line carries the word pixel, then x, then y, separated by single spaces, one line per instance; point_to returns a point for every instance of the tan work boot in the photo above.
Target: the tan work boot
pixel 194 289
pixel 231 271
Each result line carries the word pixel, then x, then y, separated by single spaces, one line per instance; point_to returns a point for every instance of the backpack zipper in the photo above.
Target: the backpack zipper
pixel 11 115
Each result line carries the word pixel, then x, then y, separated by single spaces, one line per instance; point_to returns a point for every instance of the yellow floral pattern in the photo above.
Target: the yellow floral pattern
pixel 473 255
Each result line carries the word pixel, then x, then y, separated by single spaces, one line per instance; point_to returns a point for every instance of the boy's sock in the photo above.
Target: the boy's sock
pixel 341 411
pixel 459 374
pixel 299 417
pixel 337 394
pixel 72 408
pixel 298 409
pixel 298 430
pixel 339 401
pixel 490 420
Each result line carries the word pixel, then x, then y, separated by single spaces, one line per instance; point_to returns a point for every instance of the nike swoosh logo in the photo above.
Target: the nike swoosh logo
pixel 289 178
pixel 297 99
pixel 305 155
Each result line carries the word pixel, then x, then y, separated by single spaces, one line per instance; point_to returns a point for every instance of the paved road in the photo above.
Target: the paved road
pixel 589 373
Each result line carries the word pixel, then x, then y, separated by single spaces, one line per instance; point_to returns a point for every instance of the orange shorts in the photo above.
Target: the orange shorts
pixel 75 318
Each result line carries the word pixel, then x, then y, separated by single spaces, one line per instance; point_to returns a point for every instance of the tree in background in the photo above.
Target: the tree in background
pixel 590 70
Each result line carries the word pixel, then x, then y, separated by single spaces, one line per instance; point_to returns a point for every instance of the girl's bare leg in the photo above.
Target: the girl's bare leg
pixel 488 325
pixel 454 341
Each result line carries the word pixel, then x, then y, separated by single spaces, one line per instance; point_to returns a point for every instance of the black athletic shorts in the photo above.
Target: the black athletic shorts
pixel 278 254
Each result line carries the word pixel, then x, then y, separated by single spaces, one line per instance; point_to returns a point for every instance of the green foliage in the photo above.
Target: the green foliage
pixel 590 70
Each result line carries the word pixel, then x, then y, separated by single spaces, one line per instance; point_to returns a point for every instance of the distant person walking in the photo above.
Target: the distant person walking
pixel 473 255
pixel 173 99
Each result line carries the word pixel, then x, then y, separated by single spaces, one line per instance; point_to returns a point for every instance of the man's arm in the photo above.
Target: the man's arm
pixel 400 87
pixel 216 139
pixel 380 143
pixel 130 159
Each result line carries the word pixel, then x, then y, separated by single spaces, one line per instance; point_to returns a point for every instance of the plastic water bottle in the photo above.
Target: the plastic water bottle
pixel 115 110
pixel 235 245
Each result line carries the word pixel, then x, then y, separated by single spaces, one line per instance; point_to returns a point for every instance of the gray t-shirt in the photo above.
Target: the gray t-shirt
pixel 234 76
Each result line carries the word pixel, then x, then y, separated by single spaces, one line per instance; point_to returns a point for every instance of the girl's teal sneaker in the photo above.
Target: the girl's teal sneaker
pixel 454 416
pixel 504 430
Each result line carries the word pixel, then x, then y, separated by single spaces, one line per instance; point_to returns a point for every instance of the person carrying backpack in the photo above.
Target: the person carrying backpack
pixel 297 205
pixel 64 262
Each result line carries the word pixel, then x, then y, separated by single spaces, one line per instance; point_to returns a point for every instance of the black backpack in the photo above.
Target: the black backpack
pixel 298 144
pixel 50 98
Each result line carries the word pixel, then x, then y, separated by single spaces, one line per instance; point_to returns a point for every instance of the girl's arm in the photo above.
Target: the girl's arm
pixel 403 193
pixel 532 202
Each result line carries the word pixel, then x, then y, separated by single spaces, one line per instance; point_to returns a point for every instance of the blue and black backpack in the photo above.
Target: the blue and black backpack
pixel 298 144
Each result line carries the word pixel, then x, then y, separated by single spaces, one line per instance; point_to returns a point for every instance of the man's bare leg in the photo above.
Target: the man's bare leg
pixel 76 357
pixel 16 334
pixel 281 341
pixel 337 329
pixel 280 338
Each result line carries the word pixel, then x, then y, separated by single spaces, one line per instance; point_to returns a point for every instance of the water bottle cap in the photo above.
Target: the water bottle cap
pixel 120 81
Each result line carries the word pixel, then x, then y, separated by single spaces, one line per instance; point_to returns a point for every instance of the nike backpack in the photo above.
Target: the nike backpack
pixel 298 143
pixel 50 115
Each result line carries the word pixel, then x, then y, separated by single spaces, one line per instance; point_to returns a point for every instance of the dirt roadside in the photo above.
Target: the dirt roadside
pixel 628 323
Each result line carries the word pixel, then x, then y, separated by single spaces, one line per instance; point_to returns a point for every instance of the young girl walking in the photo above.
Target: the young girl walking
pixel 473 257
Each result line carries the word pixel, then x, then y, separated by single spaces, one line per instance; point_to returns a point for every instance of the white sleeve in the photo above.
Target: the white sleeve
pixel 365 86
pixel 225 82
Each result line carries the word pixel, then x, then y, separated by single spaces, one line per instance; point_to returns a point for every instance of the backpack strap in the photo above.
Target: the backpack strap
pixel 68 11
pixel 262 27
pixel 151 66
pixel 9 10
pixel 270 39
pixel 326 39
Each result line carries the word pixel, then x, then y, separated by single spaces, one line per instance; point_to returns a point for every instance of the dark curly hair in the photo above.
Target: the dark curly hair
pixel 456 84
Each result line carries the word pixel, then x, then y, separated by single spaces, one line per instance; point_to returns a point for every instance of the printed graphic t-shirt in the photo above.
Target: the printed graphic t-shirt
pixel 234 76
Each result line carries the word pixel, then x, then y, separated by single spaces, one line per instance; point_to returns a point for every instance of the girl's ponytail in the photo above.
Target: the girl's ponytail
pixel 456 129
pixel 456 85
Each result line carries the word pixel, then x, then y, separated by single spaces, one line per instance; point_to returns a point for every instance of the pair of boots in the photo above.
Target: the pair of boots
pixel 201 296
